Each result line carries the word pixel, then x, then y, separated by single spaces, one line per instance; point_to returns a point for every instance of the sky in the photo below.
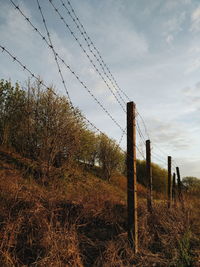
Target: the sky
pixel 152 48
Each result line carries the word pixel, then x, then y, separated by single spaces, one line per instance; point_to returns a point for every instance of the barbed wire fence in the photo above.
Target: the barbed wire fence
pixel 102 71
pixel 114 88
pixel 91 52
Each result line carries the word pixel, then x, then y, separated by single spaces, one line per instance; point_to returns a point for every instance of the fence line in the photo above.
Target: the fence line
pixel 174 189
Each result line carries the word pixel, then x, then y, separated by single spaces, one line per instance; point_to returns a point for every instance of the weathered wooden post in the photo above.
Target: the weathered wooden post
pixel 149 176
pixel 174 191
pixel 169 184
pixel 131 177
pixel 180 196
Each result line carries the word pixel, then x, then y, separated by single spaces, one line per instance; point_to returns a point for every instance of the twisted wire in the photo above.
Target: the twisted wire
pixel 15 59
pixel 140 133
pixel 86 53
pixel 95 48
pixel 54 53
pixel 156 155
pixel 144 124
pixel 67 66
pixel 91 45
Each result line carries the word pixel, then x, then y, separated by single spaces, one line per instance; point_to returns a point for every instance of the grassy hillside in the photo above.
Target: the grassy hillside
pixel 63 193
pixel 77 219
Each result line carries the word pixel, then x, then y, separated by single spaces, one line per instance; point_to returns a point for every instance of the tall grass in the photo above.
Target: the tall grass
pixel 80 220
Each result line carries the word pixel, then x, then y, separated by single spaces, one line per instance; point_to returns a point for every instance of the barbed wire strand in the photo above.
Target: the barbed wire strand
pixel 158 158
pixel 86 53
pixel 57 56
pixel 95 52
pixel 68 67
pixel 146 131
pixel 153 144
pixel 95 48
pixel 54 53
pixel 140 133
pixel 144 124
pixel 88 121
pixel 15 59
pixel 141 153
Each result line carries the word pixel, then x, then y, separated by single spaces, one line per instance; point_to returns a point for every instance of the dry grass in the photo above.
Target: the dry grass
pixel 81 221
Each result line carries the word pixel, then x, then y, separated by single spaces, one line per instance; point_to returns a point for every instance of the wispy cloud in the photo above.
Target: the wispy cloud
pixel 169 38
pixel 195 20
pixel 189 166
pixel 192 96
pixel 172 4
pixel 173 26
pixel 170 134
pixel 194 65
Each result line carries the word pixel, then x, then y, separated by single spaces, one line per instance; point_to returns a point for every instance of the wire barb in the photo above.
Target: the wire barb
pixel 43 84
pixel 93 49
pixel 87 55
pixel 76 76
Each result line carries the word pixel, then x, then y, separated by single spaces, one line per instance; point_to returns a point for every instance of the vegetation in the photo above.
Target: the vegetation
pixel 192 185
pixel 39 125
pixel 63 192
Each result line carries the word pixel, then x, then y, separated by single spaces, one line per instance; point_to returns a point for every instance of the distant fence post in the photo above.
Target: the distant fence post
pixel 131 177
pixel 174 190
pixel 180 196
pixel 169 184
pixel 149 176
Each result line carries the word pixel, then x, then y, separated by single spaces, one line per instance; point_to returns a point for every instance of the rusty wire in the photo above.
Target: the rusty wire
pixel 92 48
pixel 54 52
pixel 56 57
pixel 67 66
pixel 91 43
pixel 15 59
pixel 86 53
pixel 56 60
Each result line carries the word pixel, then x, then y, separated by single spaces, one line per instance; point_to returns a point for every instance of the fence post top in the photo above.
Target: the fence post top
pixel 131 103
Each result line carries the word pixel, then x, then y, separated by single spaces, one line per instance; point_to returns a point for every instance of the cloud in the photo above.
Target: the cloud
pixel 192 96
pixel 189 166
pixel 114 32
pixel 173 26
pixel 195 20
pixel 14 27
pixel 169 39
pixel 24 43
pixel 125 43
pixel 194 49
pixel 193 66
pixel 169 134
pixel 172 4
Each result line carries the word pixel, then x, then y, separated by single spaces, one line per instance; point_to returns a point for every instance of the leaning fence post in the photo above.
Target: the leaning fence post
pixel 169 184
pixel 174 191
pixel 131 177
pixel 149 176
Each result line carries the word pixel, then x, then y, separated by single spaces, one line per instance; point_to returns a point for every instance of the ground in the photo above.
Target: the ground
pixel 81 220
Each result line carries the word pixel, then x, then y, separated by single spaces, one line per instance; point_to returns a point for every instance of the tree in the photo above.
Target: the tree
pixel 111 159
pixel 88 149
pixel 39 124
pixel 159 176
pixel 58 129
pixel 192 185
pixel 12 114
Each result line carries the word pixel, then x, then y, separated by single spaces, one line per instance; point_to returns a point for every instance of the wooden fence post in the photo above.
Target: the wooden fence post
pixel 180 198
pixel 149 176
pixel 131 177
pixel 174 191
pixel 169 184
